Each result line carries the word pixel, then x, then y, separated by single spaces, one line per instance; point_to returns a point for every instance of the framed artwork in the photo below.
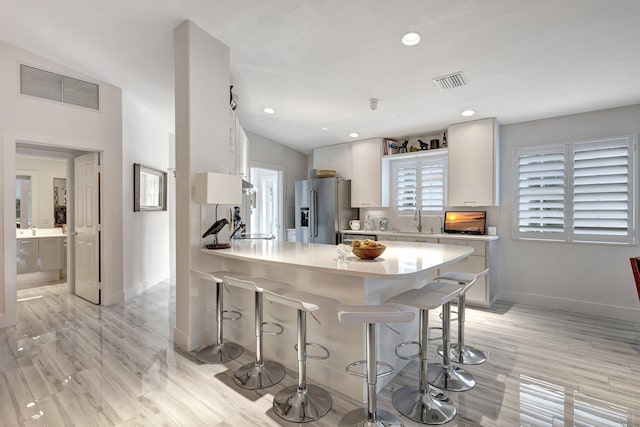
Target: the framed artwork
pixel 149 189
pixel 60 216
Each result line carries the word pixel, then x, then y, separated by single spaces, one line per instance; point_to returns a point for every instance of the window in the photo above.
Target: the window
pixel 420 184
pixel 577 192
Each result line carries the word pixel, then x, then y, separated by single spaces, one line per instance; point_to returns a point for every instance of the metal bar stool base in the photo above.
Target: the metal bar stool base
pixel 423 406
pixel 453 378
pixel 360 418
pixel 302 405
pixel 216 354
pixel 468 356
pixel 254 377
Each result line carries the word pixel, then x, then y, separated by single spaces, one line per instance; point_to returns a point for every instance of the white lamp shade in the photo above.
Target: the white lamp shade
pixel 218 188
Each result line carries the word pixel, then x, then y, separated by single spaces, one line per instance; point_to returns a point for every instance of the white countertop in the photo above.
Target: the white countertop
pixel 424 235
pixel 400 259
pixel 27 235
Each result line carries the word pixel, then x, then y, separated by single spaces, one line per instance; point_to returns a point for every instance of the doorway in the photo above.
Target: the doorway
pixel 62 204
pixel 266 201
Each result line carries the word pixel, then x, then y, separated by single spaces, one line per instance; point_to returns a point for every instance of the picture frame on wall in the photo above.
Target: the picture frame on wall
pixel 149 189
pixel 60 216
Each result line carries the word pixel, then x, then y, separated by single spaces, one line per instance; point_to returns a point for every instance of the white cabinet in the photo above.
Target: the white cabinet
pixel 366 174
pixel 27 256
pixel 484 256
pixel 50 254
pixel 335 157
pixel 473 163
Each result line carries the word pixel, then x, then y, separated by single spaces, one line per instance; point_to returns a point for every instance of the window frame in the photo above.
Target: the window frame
pixel 420 160
pixel 568 151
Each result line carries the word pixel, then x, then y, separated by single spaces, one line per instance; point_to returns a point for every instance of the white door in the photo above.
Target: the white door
pixel 87 221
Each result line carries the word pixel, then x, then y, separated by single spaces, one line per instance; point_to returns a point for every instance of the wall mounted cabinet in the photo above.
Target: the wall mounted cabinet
pixel 473 163
pixel 367 183
pixel 335 157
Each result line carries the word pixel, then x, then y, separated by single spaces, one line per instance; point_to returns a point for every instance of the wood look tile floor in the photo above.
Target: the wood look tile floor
pixel 70 363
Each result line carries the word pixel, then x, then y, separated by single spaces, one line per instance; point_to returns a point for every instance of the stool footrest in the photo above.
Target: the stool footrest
pixel 435 338
pixel 351 371
pixel 411 356
pixel 277 325
pixel 453 319
pixel 236 315
pixel 313 356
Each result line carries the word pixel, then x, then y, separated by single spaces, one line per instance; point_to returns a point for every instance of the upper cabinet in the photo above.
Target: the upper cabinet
pixel 239 145
pixel 473 163
pixel 366 174
pixel 335 157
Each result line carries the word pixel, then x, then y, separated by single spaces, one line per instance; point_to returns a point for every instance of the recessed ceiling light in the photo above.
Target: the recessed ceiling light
pixel 269 110
pixel 467 113
pixel 411 39
pixel 354 135
pixel 325 128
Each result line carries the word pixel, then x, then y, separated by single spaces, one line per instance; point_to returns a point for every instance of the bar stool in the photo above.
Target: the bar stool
pixel 462 353
pixel 370 315
pixel 420 403
pixel 303 402
pixel 261 373
pixel 220 352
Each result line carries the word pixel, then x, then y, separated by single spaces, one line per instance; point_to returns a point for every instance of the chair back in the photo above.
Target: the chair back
pixel 635 266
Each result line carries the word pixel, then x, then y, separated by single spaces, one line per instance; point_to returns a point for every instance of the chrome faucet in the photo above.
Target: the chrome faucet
pixel 417 216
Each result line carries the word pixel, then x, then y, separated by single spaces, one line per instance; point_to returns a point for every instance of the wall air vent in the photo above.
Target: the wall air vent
pixel 56 87
pixel 450 81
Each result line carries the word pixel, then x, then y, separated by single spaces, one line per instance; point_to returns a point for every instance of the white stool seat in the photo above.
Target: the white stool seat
pixel 299 300
pixel 215 276
pixel 386 313
pixel 430 296
pixel 256 284
pixel 467 280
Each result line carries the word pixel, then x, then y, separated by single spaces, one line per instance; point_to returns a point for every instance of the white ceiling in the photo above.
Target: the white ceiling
pixel 318 62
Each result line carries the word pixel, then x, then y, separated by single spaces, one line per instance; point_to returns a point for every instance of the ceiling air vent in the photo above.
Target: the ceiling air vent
pixel 450 81
pixel 56 87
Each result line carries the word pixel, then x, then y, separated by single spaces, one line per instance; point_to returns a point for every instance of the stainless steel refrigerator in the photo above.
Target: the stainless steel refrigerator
pixel 323 208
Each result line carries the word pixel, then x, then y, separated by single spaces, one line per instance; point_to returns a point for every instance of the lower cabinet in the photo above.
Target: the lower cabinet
pixel 484 256
pixel 27 256
pixel 50 254
pixel 39 254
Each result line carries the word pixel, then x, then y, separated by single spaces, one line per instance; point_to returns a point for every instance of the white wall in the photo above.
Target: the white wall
pixel 24 118
pixel 268 153
pixel 588 278
pixel 146 234
pixel 202 145
pixel 42 189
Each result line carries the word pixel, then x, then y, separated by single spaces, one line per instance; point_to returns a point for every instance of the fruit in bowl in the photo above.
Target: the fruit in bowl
pixel 367 249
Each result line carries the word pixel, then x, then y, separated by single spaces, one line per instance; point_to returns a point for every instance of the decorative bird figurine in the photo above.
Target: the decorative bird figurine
pixel 423 145
pixel 216 227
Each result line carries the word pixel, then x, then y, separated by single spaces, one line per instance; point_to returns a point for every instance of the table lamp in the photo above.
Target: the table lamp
pixel 218 189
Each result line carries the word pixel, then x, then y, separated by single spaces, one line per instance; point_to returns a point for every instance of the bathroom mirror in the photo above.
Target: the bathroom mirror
pixel 149 189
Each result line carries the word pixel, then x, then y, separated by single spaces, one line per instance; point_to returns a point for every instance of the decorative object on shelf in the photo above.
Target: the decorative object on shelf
pixel 325 173
pixel 384 223
pixel 233 99
pixel 423 145
pixel 214 230
pixel 413 149
pixel 403 147
pixel 444 139
pixel 435 144
pixel 390 147
pixel 149 189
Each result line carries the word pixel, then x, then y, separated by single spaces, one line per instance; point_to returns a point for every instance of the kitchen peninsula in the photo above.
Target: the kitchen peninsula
pixel 315 268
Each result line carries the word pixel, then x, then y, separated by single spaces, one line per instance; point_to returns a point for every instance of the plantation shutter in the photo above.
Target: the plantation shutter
pixel 432 191
pixel 406 181
pixel 602 189
pixel 540 205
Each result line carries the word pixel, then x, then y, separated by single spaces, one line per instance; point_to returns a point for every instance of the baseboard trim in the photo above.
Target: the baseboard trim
pixel 140 287
pixel 188 342
pixel 627 314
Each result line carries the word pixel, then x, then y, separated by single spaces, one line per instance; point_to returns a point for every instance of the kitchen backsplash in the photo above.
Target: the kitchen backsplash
pixel 430 223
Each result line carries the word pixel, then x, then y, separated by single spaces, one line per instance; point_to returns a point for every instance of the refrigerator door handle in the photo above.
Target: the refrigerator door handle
pixel 313 217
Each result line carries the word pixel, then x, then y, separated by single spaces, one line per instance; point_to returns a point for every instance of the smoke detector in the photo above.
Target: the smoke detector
pixel 373 104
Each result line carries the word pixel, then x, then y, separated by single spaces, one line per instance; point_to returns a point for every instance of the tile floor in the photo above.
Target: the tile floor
pixel 70 363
